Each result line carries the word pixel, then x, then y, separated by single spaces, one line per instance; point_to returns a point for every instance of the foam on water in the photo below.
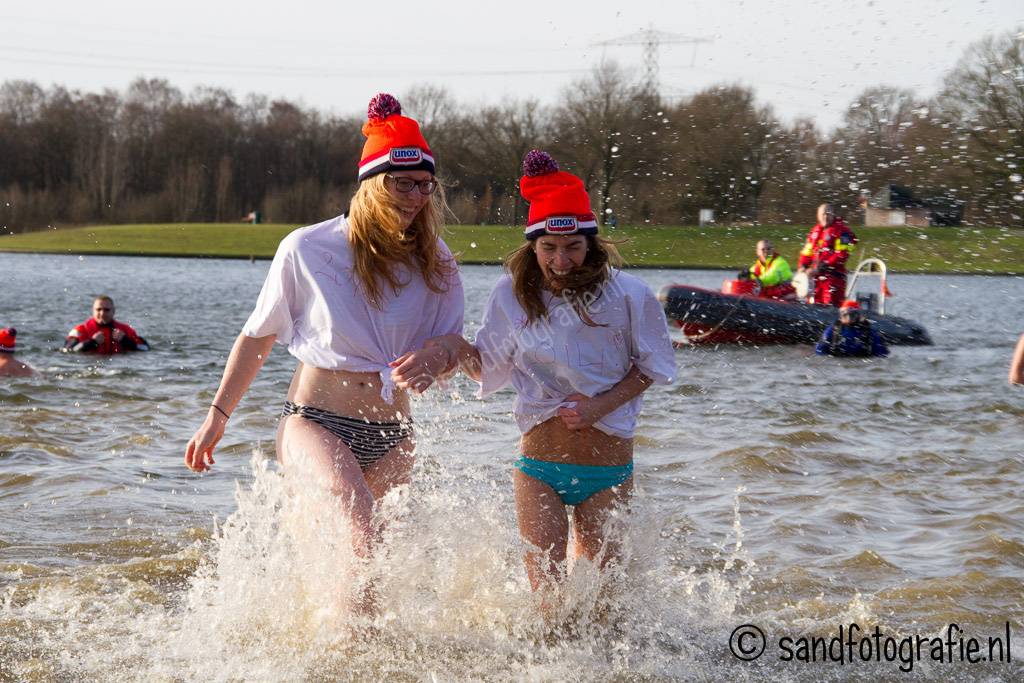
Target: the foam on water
pixel 272 598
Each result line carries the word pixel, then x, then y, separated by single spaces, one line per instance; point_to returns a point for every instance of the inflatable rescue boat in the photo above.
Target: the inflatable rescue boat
pixel 737 315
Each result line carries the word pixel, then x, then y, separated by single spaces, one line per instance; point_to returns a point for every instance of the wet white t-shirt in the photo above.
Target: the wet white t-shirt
pixel 547 361
pixel 312 302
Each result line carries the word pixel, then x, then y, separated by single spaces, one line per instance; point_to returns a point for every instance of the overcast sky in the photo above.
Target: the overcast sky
pixel 804 58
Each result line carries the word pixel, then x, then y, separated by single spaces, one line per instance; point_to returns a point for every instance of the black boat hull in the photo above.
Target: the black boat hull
pixel 708 317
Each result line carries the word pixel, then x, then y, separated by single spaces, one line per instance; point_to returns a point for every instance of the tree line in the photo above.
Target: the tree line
pixel 154 153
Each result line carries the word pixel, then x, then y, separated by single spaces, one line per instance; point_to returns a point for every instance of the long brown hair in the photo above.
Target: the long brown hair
pixel 379 243
pixel 580 289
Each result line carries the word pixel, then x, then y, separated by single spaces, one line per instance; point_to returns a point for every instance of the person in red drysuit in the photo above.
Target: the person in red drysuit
pixel 102 334
pixel 823 258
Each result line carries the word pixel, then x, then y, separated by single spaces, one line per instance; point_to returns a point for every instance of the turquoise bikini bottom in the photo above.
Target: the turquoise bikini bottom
pixel 574 483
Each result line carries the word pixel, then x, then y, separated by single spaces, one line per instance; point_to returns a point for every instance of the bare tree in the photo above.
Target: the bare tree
pixel 983 98
pixel 496 140
pixel 597 128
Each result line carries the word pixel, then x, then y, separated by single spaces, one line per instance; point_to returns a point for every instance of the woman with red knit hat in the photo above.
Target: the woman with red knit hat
pixel 579 341
pixel 354 298
pixel 9 367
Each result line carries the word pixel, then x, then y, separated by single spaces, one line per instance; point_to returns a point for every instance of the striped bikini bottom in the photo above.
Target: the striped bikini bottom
pixel 368 441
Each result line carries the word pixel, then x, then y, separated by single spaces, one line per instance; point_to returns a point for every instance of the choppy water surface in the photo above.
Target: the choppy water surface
pixel 775 488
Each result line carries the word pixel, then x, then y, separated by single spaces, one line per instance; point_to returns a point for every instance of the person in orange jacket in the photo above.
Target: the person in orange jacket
pixel 823 258
pixel 102 334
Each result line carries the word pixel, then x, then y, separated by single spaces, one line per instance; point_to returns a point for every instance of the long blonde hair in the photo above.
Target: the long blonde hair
pixel 379 243
pixel 583 286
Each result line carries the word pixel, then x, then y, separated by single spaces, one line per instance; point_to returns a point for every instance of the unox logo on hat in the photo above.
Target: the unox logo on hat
pixel 561 224
pixel 406 156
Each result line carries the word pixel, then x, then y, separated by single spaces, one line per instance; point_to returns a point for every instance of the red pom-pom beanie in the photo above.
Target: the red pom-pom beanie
pixel 559 205
pixel 7 339
pixel 393 141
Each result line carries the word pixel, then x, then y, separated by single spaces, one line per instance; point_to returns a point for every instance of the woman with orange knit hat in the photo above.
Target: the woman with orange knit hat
pixel 9 367
pixel 579 341
pixel 354 298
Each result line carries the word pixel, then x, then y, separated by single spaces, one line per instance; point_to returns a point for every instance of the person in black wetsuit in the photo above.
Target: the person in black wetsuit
pixel 851 335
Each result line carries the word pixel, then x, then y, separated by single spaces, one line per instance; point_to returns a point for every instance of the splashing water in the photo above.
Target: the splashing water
pixel 273 595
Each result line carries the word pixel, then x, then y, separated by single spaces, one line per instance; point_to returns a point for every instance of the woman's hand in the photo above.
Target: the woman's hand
pixel 462 354
pixel 589 410
pixel 244 361
pixel 584 414
pixel 417 370
pixel 199 452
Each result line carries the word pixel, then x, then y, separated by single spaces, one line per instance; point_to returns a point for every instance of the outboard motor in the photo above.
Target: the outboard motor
pixel 868 301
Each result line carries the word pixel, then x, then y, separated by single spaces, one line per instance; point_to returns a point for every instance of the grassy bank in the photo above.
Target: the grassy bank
pixel 935 250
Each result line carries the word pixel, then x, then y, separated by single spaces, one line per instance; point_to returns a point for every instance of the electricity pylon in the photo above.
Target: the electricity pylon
pixel 651 40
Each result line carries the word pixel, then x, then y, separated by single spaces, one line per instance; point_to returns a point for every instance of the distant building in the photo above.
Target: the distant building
pixel 896 205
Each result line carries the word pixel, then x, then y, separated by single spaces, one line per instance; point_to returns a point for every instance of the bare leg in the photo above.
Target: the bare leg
pixel 544 526
pixel 305 444
pixel 590 522
pixel 394 469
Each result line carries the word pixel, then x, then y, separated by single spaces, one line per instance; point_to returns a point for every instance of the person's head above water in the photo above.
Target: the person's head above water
pixel 7 339
pixel 397 213
pixel 563 252
pixel 826 215
pixel 396 170
pixel 560 223
pixel 103 310
pixel 850 312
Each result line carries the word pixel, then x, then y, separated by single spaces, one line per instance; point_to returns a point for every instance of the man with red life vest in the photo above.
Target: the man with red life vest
pixel 824 256
pixel 773 274
pixel 102 334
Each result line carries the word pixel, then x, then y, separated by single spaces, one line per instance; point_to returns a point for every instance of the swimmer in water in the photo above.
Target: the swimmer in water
pixel 9 366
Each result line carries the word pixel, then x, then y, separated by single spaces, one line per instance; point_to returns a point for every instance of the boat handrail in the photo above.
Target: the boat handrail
pixel 870 267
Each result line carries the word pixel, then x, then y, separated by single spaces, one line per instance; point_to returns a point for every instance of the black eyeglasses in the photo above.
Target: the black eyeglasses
pixel 404 185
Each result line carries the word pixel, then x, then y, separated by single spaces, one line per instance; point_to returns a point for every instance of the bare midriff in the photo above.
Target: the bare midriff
pixel 352 394
pixel 552 441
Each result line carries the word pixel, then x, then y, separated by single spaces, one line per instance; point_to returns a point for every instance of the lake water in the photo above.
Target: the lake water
pixel 775 488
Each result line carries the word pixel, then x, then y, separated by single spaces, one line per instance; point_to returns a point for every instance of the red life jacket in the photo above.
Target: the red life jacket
pixel 86 330
pixel 837 241
pixel 828 247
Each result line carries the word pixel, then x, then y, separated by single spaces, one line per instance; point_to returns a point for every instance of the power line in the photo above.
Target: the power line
pixel 131 64
pixel 651 40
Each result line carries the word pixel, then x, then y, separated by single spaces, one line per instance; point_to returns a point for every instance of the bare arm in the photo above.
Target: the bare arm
pixel 1017 364
pixel 589 410
pixel 244 362
pixel 462 355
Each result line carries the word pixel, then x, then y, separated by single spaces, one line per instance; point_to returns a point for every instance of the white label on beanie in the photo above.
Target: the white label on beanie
pixel 406 156
pixel 562 224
